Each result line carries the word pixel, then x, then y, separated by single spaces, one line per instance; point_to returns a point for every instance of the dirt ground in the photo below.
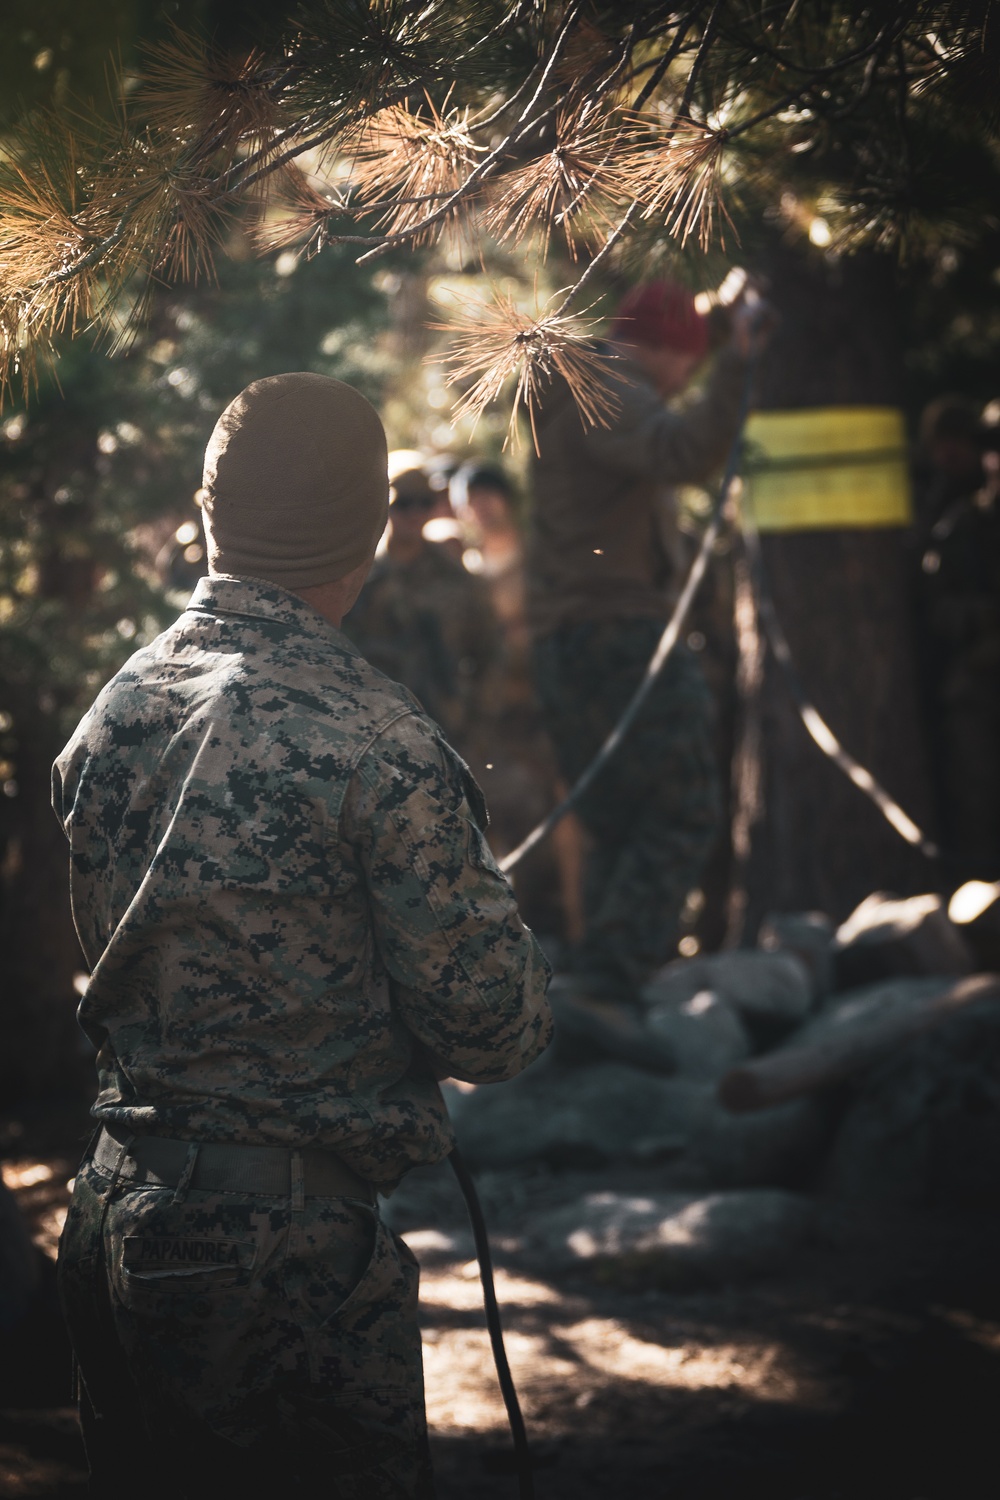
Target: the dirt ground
pixel 867 1370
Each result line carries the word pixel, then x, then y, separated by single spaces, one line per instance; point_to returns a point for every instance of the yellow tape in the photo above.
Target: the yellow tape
pixel 828 466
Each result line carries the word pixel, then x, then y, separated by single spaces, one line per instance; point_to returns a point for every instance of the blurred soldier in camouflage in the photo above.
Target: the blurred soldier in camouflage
pixel 294 926
pixel 424 620
pixel 603 575
pixel 520 774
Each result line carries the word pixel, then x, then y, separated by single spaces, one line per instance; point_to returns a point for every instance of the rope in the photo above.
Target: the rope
pixel 668 640
pixel 522 1454
pixel 816 726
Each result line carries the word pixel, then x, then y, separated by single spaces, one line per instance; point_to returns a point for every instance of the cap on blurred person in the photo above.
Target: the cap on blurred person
pixel 295 486
pixel 487 476
pixel 662 315
pixel 412 490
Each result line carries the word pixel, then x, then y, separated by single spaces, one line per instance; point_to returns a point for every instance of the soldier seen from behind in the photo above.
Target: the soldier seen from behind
pixel 604 568
pixel 294 927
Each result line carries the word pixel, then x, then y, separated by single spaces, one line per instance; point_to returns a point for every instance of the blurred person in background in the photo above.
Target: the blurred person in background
pixel 424 620
pixel 520 773
pixel 603 573
pixel 957 594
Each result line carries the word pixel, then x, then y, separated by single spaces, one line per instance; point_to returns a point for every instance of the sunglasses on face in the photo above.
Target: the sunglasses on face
pixel 413 502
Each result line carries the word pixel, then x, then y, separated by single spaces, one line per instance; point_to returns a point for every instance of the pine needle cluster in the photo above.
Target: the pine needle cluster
pixel 498 341
pixel 554 123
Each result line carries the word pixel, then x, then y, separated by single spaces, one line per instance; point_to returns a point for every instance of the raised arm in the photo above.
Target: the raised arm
pixel 684 445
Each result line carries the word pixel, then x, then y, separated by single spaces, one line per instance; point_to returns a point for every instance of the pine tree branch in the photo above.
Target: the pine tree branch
pixel 557 51
pixel 636 207
pixel 495 156
pixel 888 35
pixel 382 243
pixel 672 52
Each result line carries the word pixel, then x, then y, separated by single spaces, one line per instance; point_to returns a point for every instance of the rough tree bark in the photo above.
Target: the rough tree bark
pixel 841 596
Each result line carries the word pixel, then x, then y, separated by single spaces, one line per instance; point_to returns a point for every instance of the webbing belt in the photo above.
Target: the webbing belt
pixel 217 1168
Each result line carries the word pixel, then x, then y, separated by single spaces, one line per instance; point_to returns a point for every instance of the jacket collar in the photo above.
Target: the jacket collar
pixel 222 594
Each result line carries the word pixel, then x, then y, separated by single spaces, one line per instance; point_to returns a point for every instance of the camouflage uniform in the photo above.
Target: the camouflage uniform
pixel 653 811
pixel 603 565
pixel 281 885
pixel 430 624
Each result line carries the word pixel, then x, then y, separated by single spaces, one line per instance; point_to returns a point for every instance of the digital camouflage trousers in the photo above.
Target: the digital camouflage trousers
pixel 653 812
pixel 228 1340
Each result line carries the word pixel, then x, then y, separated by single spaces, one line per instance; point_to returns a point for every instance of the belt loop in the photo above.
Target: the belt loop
pixel 180 1192
pixel 123 1152
pixel 91 1147
pixel 298 1183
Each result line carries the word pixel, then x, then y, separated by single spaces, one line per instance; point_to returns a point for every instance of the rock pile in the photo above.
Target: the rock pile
pixel 608 1112
pixel 856 1063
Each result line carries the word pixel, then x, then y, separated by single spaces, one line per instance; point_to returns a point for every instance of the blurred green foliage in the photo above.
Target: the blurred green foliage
pixel 96 476
pixel 100 468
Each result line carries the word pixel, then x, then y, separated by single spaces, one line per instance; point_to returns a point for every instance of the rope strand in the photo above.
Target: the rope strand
pixel 816 726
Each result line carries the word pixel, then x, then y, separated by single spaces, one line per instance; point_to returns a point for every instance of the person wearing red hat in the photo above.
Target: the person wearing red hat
pixel 603 571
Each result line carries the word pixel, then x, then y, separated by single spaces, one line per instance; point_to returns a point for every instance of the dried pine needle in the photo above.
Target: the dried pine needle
pixel 406 164
pixel 304 217
pixel 210 101
pixel 679 181
pixel 575 185
pixel 496 341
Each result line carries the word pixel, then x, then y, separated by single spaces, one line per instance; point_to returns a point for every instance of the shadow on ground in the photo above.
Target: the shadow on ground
pixel 869 1369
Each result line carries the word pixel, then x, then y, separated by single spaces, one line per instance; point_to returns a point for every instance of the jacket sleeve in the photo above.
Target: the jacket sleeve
pixel 682 445
pixel 469 977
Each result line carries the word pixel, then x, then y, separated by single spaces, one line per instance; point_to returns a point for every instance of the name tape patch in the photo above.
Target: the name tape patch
pixel 161 1253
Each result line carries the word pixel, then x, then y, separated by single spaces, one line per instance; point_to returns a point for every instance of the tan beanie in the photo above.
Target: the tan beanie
pixel 296 485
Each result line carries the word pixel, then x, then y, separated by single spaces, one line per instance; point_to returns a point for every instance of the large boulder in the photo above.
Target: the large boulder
pixel 806 934
pixel 925 1127
pixel 585 1117
pixel 782 1146
pixel 885 937
pixel 770 992
pixel 855 1011
pixel 704 1034
pixel 574 1117
pixel 852 1033
pixel 596 1028
pixel 674 1239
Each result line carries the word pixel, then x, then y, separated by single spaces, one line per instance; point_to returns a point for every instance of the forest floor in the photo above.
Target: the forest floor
pixel 867 1369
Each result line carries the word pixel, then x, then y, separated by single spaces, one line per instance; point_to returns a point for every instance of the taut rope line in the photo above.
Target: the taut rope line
pixel 816 726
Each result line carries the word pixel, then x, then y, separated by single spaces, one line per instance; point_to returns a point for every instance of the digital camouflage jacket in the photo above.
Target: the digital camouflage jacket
pixel 282 888
pixel 604 542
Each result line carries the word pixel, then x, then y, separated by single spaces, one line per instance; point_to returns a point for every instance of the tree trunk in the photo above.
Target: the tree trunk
pixel 842 598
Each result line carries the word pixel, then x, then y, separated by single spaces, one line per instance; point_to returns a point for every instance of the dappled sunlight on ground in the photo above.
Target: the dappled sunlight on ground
pixel 42 1192
pixel 756 1369
pixel 553 1349
pixel 460 1289
pixel 461 1383
pixel 868 1369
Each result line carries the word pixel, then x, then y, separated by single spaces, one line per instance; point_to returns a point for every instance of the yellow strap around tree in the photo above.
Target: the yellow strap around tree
pixel 828 466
